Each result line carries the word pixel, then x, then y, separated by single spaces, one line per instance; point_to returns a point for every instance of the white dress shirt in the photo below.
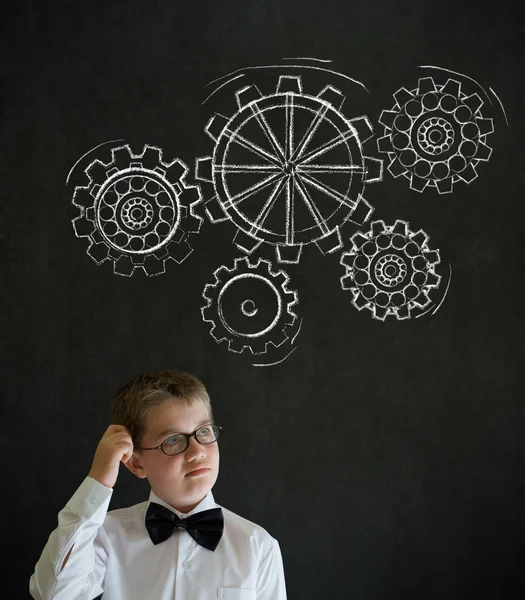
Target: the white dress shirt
pixel 114 555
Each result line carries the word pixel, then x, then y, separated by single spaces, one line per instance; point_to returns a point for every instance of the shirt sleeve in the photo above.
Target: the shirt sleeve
pixel 270 575
pixel 79 525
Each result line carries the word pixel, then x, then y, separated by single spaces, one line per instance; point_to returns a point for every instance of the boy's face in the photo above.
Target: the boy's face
pixel 169 475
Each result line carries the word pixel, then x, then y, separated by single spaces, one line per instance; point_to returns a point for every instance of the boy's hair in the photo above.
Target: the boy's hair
pixel 132 402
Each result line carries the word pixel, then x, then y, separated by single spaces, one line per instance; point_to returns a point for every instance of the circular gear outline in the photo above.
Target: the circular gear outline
pixel 289 169
pixel 413 109
pixel 276 334
pixel 170 177
pixel 362 250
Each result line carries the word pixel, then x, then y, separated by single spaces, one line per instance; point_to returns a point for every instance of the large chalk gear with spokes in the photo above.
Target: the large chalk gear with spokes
pixel 435 135
pixel 288 169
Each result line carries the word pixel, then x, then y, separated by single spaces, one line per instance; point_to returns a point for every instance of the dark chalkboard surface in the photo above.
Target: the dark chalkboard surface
pixel 316 208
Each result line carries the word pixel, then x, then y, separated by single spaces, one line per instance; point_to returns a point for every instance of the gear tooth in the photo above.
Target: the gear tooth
pixel 363 127
pixel 347 259
pixel 289 83
pixel 215 126
pixel 402 96
pixel 151 157
pixel 247 94
pixel 332 95
pixel 98 252
pixel 403 312
pixel 358 239
pixel 279 339
pixel 122 156
pixel 425 84
pixel 214 211
pixel 468 174
pixel 179 251
pixel 486 126
pixel 176 171
pixel 444 186
pixel 379 312
pixel 288 254
pixel 97 172
pixel 420 238
pixel 245 242
pixel 417 183
pixel 422 300
pixel 192 223
pixel 330 243
pixel 378 227
pixel 123 266
pixel 483 152
pixel 387 118
pixel 396 169
pixel 384 144
pixel 474 102
pixel 347 282
pixel 83 227
pixel 203 168
pixel 400 227
pixel 433 280
pixel 359 301
pixel 82 198
pixel 362 212
pixel 432 257
pixel 373 170
pixel 154 266
pixel 452 87
pixel 191 195
pixel 237 345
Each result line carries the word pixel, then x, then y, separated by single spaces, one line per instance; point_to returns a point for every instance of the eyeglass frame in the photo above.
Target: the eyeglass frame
pixel 187 436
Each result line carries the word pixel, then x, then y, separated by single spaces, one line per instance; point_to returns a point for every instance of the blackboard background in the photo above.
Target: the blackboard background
pixel 386 458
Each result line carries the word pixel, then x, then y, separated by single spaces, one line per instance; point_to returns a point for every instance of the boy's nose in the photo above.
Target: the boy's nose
pixel 194 448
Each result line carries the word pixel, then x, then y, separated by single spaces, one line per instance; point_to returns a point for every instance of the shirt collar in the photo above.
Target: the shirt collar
pixel 206 503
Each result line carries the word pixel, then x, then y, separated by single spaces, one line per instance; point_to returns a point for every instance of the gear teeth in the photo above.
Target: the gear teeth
pixel 203 169
pixel 363 127
pixel 347 282
pixel 474 102
pixel 97 172
pixel 417 184
pixel 425 85
pixel 214 211
pixel 289 83
pixel 483 152
pixel 433 280
pixel 288 254
pixel 247 94
pixel 83 227
pixel 384 144
pixel 422 300
pixel 245 242
pixel 82 198
pixel 432 257
pixel 358 240
pixel 151 157
pixel 362 212
pixel 237 345
pixel 98 252
pixel 360 302
pixel 452 87
pixel 121 157
pixel 444 186
pixel 154 266
pixel 395 168
pixel 123 266
pixel 401 228
pixel 176 171
pixel 403 312
pixel 215 126
pixel 420 238
pixel 378 227
pixel 330 243
pixel 387 118
pixel 403 96
pixel 379 312
pixel 486 126
pixel 332 95
pixel 373 169
pixel 468 174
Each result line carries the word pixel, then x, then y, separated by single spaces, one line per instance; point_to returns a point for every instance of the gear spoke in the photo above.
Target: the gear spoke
pixel 268 132
pixel 333 143
pixel 261 185
pixel 272 198
pixel 311 206
pixel 314 126
pixel 329 191
pixel 245 143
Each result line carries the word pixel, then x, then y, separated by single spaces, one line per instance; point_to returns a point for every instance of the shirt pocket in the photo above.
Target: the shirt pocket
pixel 231 593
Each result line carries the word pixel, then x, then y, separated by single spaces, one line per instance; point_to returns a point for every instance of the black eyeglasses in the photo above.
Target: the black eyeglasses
pixel 179 442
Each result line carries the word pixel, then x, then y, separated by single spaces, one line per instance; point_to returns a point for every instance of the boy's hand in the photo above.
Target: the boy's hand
pixel 115 446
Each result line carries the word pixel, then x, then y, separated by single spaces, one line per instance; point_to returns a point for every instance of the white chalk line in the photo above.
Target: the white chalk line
pixel 225 83
pixel 274 363
pixel 103 144
pixel 456 73
pixel 500 103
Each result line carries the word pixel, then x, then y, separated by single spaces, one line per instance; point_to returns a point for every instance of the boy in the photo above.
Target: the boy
pixel 179 544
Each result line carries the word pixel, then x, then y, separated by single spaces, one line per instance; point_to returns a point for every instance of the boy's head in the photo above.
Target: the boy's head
pixel 154 406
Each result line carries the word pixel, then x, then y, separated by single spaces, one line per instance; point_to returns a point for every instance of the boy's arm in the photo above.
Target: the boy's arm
pixel 270 575
pixel 72 565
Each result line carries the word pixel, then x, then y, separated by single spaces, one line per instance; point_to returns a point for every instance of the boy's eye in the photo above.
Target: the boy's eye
pixel 174 439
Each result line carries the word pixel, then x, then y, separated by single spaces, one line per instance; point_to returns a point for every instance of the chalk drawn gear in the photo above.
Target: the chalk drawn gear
pixel 435 135
pixel 137 211
pixel 249 306
pixel 288 169
pixel 390 270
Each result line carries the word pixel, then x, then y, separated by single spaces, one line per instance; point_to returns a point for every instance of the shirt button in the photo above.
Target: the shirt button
pixel 92 500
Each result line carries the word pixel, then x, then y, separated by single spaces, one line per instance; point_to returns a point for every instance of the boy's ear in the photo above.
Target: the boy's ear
pixel 135 466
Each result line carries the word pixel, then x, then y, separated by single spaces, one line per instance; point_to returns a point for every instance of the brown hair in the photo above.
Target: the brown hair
pixel 132 402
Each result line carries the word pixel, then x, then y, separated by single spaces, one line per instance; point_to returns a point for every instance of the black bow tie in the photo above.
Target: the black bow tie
pixel 204 527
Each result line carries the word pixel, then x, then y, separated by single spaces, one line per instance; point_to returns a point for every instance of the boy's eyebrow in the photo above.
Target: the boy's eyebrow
pixel 171 430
